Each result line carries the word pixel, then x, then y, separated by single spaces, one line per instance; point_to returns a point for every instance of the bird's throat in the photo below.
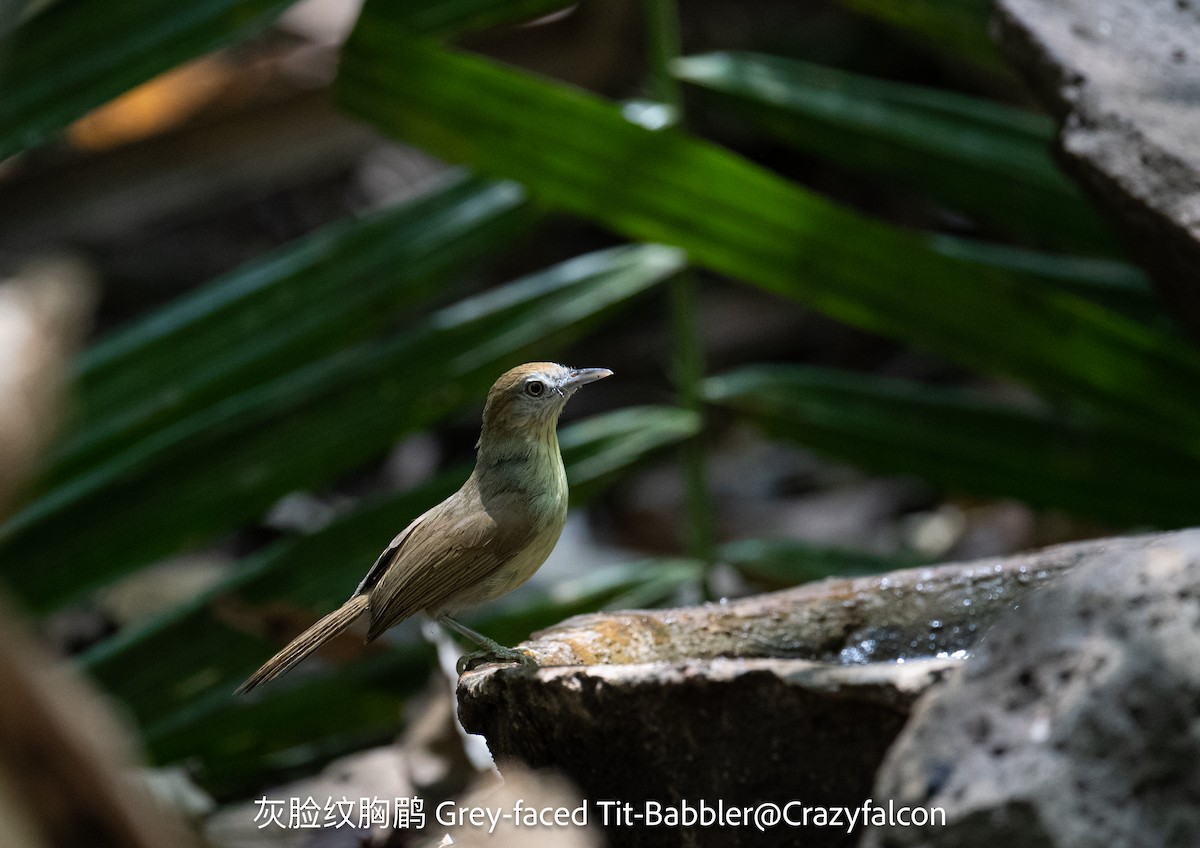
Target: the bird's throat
pixel 526 461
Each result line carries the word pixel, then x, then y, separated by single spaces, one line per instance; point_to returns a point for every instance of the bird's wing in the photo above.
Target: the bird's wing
pixel 388 556
pixel 453 546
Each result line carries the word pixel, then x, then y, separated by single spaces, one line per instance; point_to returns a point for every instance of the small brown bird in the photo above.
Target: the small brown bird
pixel 484 540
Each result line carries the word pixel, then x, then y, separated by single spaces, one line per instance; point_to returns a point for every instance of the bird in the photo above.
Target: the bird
pixel 481 542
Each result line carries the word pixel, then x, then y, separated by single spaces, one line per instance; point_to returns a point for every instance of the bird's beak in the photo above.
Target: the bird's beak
pixel 583 376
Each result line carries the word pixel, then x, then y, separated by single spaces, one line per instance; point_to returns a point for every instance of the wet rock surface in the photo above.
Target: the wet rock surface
pixel 1078 724
pixel 795 695
pixel 1124 77
pixel 913 613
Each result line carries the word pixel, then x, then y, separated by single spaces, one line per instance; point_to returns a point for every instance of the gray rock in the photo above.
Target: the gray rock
pixel 794 695
pixel 1077 725
pixel 1124 76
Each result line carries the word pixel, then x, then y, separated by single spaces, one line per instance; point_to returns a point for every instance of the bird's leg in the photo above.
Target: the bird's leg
pixel 492 650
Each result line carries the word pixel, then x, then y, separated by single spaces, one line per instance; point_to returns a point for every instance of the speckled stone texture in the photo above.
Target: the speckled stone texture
pixel 1124 78
pixel 1078 725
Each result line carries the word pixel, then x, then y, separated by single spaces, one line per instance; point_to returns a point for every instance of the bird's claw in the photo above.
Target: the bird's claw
pixel 473 660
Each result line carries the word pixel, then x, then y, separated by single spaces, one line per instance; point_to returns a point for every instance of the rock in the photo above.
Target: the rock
pixel 376 775
pixel 737 732
pixel 794 695
pixel 1124 77
pixel 1077 725
pixel 66 759
pixel 530 800
pixel 427 763
pixel 44 309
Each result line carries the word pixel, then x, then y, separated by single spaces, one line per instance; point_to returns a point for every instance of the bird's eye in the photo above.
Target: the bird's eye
pixel 535 388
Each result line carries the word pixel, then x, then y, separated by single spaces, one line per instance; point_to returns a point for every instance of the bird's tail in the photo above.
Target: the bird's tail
pixel 307 642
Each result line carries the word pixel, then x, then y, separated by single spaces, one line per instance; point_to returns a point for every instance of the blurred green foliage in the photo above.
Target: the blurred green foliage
pixel 195 419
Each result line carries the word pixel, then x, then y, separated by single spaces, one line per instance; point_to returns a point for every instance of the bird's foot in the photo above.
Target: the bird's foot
pixel 499 654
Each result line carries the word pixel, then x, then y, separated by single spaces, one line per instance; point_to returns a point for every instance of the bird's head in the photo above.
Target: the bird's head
pixel 527 400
